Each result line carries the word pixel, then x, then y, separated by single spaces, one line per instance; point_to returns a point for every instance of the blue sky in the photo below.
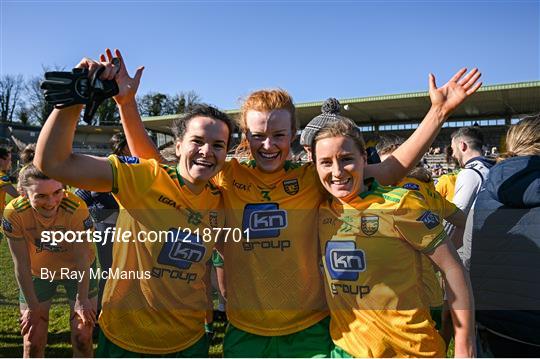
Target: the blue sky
pixel 314 49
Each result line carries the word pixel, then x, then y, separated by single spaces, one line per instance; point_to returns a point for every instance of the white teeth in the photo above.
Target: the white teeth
pixel 269 155
pixel 340 182
pixel 202 163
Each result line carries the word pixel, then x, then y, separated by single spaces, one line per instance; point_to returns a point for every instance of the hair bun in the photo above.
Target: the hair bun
pixel 27 155
pixel 331 106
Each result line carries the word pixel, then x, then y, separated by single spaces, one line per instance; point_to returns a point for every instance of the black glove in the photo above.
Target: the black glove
pixel 63 89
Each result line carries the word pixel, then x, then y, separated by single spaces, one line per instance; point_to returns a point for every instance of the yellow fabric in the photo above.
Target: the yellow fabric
pixel 22 222
pixel 163 311
pixel 446 185
pixel 372 259
pixel 274 283
pixel 444 208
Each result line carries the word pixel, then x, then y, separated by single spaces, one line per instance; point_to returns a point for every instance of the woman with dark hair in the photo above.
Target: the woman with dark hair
pixel 505 260
pixel 157 304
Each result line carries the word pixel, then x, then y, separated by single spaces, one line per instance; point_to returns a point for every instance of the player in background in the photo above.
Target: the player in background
pixel 104 211
pixel 160 308
pixel 6 187
pixel 372 237
pixel 44 206
pixel 275 300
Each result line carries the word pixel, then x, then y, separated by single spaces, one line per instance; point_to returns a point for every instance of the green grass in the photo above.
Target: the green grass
pixel 59 344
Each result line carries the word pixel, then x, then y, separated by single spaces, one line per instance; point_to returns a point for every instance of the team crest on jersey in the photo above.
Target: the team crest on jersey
pixel 430 219
pixel 7 225
pixel 411 186
pixel 128 160
pixel 291 186
pixel 369 225
pixel 213 218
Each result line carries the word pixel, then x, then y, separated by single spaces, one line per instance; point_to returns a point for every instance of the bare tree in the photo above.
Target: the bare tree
pixel 38 110
pixel 11 89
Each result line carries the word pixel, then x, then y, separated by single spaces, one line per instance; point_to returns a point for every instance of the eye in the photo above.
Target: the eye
pixel 198 141
pixel 219 146
pixel 325 163
pixel 258 137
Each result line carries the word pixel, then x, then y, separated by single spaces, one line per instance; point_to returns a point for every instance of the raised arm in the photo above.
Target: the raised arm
pixel 444 100
pixel 138 140
pixel 54 153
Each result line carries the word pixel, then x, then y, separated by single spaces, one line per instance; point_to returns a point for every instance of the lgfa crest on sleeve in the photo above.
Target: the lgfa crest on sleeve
pixel 369 224
pixel 430 219
pixel 291 186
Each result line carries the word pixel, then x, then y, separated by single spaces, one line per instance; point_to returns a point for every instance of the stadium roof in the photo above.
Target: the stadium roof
pixel 494 101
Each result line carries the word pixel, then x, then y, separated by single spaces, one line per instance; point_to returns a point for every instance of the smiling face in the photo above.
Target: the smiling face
pixel 340 166
pixel 269 135
pixel 45 196
pixel 202 151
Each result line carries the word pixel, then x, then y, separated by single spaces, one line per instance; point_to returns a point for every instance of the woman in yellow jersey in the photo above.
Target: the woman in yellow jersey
pixel 275 298
pixel 154 302
pixel 371 240
pixel 6 187
pixel 41 266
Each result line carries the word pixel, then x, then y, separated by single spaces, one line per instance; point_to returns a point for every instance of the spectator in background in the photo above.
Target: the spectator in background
pixel 5 182
pixel 446 183
pixel 505 262
pixel 104 211
pixel 467 145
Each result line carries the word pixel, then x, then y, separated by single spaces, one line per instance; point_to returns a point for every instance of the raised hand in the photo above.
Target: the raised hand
pixel 455 91
pixel 127 85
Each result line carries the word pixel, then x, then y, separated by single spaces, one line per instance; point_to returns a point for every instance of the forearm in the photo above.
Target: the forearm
pixel 461 304
pixel 403 159
pixel 139 143
pixel 24 279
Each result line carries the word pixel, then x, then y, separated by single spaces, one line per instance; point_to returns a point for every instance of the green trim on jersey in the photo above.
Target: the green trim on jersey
pixel 436 242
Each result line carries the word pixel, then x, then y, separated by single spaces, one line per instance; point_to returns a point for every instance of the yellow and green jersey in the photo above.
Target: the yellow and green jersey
pixel 274 282
pixel 446 185
pixel 443 208
pixel 4 181
pixel 160 309
pixel 372 248
pixel 22 222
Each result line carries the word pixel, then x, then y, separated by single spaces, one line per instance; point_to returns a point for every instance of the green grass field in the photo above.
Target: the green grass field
pixel 59 340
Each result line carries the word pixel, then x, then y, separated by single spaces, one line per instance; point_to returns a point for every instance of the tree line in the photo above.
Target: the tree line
pixel 22 101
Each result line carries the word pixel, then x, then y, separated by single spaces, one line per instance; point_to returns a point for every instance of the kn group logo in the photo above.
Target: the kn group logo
pixel 181 250
pixel 344 261
pixel 263 220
